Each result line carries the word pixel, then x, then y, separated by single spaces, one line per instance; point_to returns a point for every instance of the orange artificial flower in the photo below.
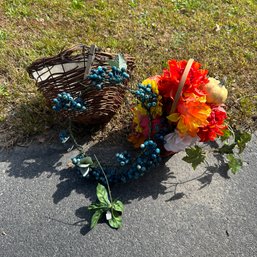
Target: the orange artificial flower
pixel 192 113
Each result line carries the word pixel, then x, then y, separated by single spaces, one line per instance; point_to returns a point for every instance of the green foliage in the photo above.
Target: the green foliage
pixel 113 209
pixel 87 160
pixel 85 164
pixel 118 62
pixel 231 151
pixel 116 220
pixel 234 163
pixel 133 3
pixel 118 206
pixel 249 105
pixel 227 134
pixel 96 217
pixel 77 4
pixel 98 206
pixel 241 139
pixel 227 148
pixel 3 91
pixel 188 5
pixel 56 25
pixel 3 35
pixel 18 8
pixel 102 194
pixel 195 156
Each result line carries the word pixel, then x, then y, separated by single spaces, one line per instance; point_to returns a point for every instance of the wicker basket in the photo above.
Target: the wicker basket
pixel 68 72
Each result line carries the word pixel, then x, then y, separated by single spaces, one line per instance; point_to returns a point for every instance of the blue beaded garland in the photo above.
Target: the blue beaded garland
pixel 147 158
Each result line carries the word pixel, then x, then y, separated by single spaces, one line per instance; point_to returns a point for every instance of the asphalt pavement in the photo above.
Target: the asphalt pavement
pixel 43 208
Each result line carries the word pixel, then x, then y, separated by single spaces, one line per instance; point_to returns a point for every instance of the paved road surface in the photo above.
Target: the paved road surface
pixel 43 209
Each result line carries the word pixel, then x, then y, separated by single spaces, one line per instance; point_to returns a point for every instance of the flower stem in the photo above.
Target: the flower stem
pixel 78 146
pixel 106 179
pixel 150 124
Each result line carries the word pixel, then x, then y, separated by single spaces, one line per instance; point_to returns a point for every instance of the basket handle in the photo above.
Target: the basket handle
pixel 91 57
pixel 70 50
pixel 181 85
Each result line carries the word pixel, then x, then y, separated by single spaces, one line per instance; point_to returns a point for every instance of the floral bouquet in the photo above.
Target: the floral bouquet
pixel 179 108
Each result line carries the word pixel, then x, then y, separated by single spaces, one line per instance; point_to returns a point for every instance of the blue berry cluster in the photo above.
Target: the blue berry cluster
pixel 123 158
pixel 76 160
pixel 64 136
pixel 159 136
pixel 101 76
pixel 149 157
pixel 98 76
pixel 145 95
pixel 111 174
pixel 117 76
pixel 65 101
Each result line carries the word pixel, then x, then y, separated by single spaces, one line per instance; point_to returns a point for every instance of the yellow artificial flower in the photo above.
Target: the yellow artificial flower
pixel 138 112
pixel 156 110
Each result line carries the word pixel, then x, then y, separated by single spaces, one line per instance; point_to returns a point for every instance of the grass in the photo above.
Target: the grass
pixel 220 34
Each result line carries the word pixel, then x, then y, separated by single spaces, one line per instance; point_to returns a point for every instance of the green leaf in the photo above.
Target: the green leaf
pixel 97 206
pixel 227 148
pixel 84 169
pixel 241 139
pixel 119 62
pixel 234 163
pixel 226 135
pixel 195 156
pixel 102 194
pixel 95 218
pixel 83 165
pixel 87 160
pixel 118 206
pixel 116 220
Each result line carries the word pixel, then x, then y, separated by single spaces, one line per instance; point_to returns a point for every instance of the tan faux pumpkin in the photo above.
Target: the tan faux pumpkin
pixel 216 93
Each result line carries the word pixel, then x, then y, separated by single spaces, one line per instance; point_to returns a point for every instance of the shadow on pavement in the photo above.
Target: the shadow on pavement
pixel 52 159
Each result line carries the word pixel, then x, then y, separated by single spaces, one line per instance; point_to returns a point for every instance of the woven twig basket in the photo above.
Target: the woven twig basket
pixel 68 71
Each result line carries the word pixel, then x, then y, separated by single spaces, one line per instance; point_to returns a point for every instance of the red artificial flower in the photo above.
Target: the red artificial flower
pixel 216 125
pixel 169 80
pixel 137 138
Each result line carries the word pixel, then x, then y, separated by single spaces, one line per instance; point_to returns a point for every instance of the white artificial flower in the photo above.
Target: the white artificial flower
pixel 175 143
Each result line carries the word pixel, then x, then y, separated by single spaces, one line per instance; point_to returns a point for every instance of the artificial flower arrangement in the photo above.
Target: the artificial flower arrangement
pixel 179 108
pixel 173 111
